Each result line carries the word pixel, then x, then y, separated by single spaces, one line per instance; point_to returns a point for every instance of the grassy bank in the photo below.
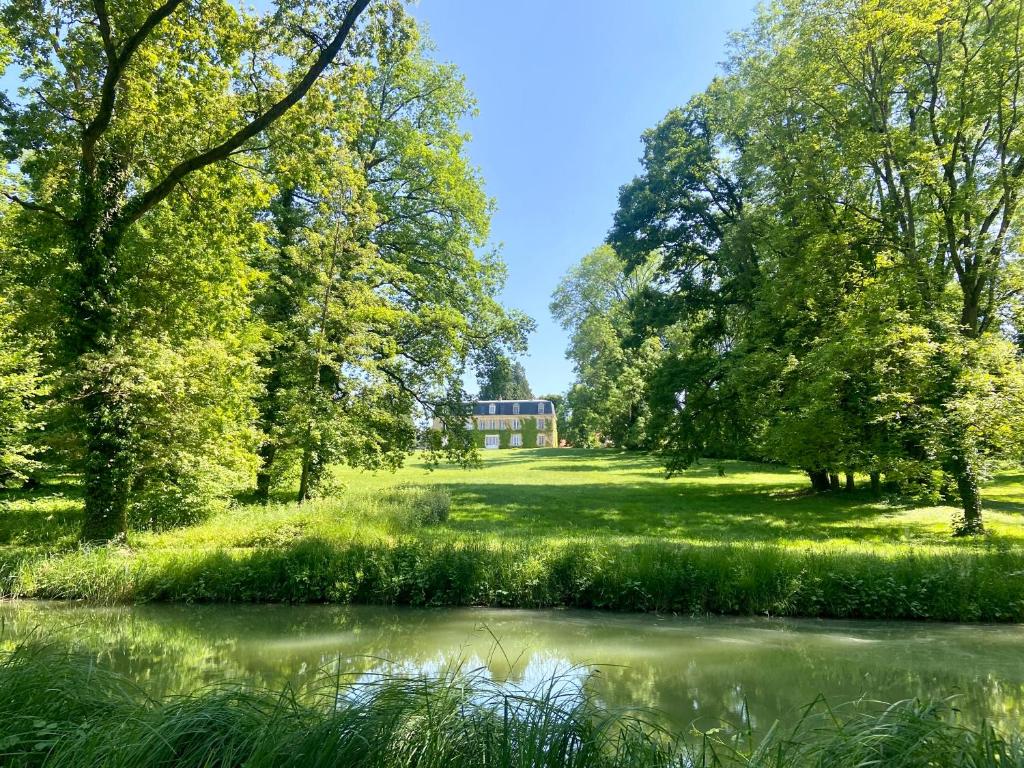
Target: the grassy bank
pixel 58 710
pixel 551 528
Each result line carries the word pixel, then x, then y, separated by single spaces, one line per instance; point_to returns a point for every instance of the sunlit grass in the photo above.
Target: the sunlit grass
pixel 621 496
pixel 536 528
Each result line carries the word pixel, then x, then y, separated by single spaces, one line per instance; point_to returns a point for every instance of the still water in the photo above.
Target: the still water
pixel 697 672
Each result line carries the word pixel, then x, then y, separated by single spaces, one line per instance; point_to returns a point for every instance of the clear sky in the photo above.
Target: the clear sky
pixel 564 90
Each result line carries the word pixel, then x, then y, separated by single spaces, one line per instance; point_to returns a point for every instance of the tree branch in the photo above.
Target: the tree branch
pixel 143 202
pixel 116 63
pixel 29 205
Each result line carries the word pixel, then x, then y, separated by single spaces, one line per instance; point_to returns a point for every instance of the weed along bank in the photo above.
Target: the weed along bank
pixel 499 424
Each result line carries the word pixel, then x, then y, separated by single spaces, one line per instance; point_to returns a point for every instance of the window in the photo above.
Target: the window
pixel 514 424
pixel 540 407
pixel 469 423
pixel 491 441
pixel 492 409
pixel 542 440
pixel 542 423
pixel 515 409
pixel 516 441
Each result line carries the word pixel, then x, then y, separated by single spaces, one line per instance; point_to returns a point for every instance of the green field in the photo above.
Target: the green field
pixel 614 495
pixel 542 527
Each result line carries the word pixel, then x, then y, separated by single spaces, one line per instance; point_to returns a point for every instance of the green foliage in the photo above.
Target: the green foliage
pixel 593 302
pixel 836 224
pixel 500 378
pixel 244 243
pixel 374 296
pixel 142 240
pixel 21 390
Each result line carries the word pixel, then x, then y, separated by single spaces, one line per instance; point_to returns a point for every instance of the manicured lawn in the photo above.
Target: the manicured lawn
pixel 529 528
pixel 613 494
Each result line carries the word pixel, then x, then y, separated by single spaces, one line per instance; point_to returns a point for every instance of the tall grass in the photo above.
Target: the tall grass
pixel 907 734
pixel 393 546
pixel 59 710
pixel 455 571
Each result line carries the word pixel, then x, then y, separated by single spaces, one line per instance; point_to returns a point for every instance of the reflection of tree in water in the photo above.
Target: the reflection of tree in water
pixel 700 673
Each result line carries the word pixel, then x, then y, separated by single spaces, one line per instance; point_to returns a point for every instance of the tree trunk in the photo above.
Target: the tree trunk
pixel 267 452
pixel 110 461
pixel 305 479
pixel 109 469
pixel 876 483
pixel 970 496
pixel 849 481
pixel 833 481
pixel 819 479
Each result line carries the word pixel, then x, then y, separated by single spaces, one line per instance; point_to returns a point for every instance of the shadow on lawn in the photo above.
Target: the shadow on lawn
pixel 723 511
pixel 47 514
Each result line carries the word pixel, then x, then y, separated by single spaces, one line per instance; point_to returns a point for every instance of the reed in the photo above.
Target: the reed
pixel 58 709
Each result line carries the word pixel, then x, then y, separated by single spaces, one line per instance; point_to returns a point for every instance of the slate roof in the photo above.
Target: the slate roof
pixel 504 407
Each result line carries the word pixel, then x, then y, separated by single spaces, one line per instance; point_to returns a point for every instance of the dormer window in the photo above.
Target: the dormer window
pixel 492 409
pixel 540 407
pixel 515 409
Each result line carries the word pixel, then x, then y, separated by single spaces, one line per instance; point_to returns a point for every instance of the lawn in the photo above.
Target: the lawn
pixel 552 527
pixel 614 494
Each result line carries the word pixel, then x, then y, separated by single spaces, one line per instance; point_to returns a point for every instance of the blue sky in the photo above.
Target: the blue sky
pixel 564 90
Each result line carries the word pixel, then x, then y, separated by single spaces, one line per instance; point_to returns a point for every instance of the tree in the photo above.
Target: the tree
pixel 500 378
pixel 596 302
pixel 126 113
pixel 903 121
pixel 376 299
pixel 21 390
pixel 557 401
pixel 837 226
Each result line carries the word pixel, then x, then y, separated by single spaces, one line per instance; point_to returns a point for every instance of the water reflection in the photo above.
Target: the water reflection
pixel 697 672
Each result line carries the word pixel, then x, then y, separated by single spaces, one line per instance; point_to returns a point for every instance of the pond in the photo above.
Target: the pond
pixel 697 672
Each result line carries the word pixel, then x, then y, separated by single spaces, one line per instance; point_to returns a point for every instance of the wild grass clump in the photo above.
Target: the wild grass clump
pixel 59 710
pixel 422 504
pixel 908 734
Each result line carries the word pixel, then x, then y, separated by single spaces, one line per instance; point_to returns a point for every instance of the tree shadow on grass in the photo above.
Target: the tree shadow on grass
pixel 723 511
pixel 48 514
pixel 1003 494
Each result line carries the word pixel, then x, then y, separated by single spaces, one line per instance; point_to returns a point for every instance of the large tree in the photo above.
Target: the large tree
pixel 376 299
pixel 900 126
pixel 501 378
pixel 596 302
pixel 838 226
pixel 127 113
